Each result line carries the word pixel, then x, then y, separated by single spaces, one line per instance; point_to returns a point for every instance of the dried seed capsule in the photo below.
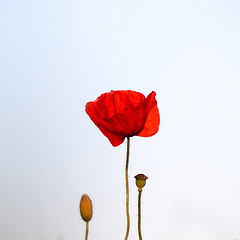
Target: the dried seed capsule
pixel 86 208
pixel 140 181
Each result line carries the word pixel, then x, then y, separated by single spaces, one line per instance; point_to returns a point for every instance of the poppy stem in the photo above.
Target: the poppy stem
pixel 127 189
pixel 86 234
pixel 139 213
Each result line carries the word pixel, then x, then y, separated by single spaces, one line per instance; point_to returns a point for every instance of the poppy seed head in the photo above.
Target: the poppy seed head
pixel 140 181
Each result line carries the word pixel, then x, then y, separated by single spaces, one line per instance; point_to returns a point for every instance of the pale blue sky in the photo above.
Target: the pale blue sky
pixel 55 56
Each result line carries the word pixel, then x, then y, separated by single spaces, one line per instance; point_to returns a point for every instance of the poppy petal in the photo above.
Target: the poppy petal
pixel 114 139
pixel 153 119
pixel 93 113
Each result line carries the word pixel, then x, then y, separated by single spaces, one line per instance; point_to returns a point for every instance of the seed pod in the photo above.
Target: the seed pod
pixel 86 208
pixel 140 181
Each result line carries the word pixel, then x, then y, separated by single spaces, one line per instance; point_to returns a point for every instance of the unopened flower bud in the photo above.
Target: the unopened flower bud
pixel 86 208
pixel 140 181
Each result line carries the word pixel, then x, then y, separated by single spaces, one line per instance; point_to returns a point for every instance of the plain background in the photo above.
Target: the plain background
pixel 55 56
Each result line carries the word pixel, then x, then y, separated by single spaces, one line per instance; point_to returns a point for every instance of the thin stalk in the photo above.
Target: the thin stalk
pixel 86 235
pixel 127 189
pixel 139 213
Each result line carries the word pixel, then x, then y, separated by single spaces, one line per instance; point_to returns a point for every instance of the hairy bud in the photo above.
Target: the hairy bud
pixel 85 208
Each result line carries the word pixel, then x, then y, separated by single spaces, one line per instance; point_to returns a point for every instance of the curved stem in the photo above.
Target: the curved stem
pixel 139 213
pixel 86 236
pixel 127 189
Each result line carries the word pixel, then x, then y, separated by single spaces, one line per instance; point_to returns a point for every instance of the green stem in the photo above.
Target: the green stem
pixel 139 213
pixel 127 189
pixel 86 236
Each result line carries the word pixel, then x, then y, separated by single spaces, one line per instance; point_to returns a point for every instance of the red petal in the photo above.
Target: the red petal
pixel 97 112
pixel 114 139
pixel 153 119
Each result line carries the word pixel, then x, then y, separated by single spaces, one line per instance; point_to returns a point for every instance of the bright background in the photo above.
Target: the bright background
pixel 55 56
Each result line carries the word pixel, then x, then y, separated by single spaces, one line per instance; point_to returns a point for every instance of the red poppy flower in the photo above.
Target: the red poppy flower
pixel 120 114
